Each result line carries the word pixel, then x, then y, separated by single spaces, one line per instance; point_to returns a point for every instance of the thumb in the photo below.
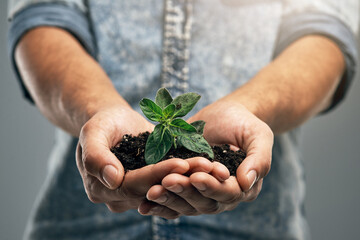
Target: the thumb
pixel 98 161
pixel 256 165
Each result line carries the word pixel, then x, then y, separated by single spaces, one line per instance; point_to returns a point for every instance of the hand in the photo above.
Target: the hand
pixel 102 173
pixel 228 122
pixel 176 196
pixel 204 191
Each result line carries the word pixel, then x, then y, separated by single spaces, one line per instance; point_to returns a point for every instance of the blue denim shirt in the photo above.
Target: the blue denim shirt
pixel 207 46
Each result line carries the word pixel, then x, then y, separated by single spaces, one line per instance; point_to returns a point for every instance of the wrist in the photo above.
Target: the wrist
pixel 80 110
pixel 109 104
pixel 260 103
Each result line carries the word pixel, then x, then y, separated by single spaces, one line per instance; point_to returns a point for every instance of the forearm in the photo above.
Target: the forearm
pixel 66 83
pixel 297 85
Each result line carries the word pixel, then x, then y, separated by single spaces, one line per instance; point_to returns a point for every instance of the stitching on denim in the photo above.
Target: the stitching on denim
pixel 178 19
pixel 164 229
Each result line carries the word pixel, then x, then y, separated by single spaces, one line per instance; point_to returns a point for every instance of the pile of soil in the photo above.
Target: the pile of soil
pixel 130 151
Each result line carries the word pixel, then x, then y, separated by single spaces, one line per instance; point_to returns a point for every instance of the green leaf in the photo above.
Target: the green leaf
pixel 178 126
pixel 199 125
pixel 196 143
pixel 151 110
pixel 184 103
pixel 163 98
pixel 158 144
pixel 169 111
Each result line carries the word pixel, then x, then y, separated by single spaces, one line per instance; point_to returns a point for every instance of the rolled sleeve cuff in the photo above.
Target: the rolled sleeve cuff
pixel 297 26
pixel 45 14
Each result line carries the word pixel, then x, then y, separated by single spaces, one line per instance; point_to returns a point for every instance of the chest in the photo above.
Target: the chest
pixel 185 44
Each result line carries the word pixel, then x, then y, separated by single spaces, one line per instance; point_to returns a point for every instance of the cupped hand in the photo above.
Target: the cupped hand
pixel 231 123
pixel 176 196
pixel 102 173
pixel 204 192
pixel 200 194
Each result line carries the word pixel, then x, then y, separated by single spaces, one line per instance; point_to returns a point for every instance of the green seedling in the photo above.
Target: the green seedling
pixel 171 130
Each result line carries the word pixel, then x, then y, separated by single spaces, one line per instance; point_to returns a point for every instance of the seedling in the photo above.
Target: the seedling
pixel 171 130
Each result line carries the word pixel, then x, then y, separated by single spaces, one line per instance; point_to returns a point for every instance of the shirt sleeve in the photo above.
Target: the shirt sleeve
pixel 70 17
pixel 338 22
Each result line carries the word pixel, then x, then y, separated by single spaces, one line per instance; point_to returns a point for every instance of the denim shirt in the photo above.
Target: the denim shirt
pixel 210 47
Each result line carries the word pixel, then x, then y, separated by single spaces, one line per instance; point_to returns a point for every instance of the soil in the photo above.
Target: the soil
pixel 130 151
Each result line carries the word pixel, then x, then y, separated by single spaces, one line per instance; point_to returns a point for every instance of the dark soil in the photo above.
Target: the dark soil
pixel 130 152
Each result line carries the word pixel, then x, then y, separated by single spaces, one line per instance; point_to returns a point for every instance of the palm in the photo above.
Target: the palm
pixel 233 124
pixel 94 159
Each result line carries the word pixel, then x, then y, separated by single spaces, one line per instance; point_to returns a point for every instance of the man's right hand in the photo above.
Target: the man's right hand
pixel 103 175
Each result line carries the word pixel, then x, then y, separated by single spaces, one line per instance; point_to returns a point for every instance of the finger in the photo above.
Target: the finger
pixel 97 158
pixel 91 184
pixel 95 190
pixel 253 168
pixel 234 148
pixel 181 186
pixel 87 180
pixel 136 183
pixel 154 209
pixel 166 198
pixel 98 193
pixel 140 180
pixel 199 164
pixel 254 192
pixel 257 163
pixel 220 172
pixel 227 192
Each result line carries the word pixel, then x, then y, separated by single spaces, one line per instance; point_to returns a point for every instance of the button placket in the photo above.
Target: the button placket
pixel 178 20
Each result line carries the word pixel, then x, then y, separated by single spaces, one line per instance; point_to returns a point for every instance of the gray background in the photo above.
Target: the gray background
pixel 331 155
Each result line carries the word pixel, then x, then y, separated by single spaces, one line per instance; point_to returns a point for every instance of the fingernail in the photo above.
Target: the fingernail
pixel 109 174
pixel 176 188
pixel 252 176
pixel 161 199
pixel 200 186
